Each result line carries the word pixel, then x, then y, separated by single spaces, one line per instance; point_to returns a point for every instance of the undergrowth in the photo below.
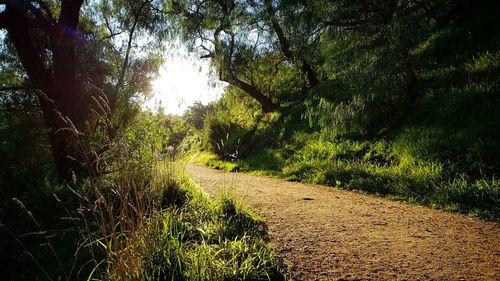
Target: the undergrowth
pixel 443 152
pixel 195 238
pixel 156 225
pixel 380 168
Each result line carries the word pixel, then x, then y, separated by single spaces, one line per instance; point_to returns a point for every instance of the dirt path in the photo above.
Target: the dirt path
pixel 325 233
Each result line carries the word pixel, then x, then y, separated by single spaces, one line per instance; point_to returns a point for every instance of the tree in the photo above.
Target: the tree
pixel 228 33
pixel 134 31
pixel 196 113
pixel 71 65
pixel 46 47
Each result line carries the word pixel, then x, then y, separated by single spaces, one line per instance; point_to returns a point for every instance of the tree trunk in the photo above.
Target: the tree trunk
pixel 61 97
pixel 265 102
pixel 411 83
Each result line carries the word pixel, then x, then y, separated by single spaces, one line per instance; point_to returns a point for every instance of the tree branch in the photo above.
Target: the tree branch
pixel 110 36
pixel 110 28
pixel 3 20
pixel 123 71
pixel 28 54
pixel 15 88
pixel 40 20
pixel 70 13
pixel 226 74
pixel 209 54
pixel 305 67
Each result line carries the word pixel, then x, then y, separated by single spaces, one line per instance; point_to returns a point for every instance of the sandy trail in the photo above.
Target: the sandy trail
pixel 325 233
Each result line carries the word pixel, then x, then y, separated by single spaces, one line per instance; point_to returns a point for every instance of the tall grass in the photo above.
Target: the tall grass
pixel 190 238
pixel 137 218
pixel 155 224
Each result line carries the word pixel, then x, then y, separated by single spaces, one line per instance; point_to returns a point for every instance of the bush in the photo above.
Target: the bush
pixel 221 136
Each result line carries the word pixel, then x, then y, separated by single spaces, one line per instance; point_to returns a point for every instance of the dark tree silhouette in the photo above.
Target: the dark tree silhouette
pixel 46 49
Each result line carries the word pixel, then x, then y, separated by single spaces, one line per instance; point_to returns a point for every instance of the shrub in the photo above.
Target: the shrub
pixel 221 136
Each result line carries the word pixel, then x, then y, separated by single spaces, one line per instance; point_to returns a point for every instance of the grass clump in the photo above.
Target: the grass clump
pixel 237 221
pixel 195 238
pixel 386 168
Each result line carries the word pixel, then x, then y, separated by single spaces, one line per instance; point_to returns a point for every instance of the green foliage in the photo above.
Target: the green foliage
pixel 26 159
pixel 220 134
pixel 234 132
pixel 338 110
pixel 407 107
pixel 237 220
pixel 211 160
pixel 480 198
pixel 145 136
pixel 33 219
pixel 196 113
pixel 382 168
pixel 443 154
pixel 267 160
pixel 148 135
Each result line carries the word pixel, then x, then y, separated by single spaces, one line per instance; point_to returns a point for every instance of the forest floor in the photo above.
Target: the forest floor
pixel 325 233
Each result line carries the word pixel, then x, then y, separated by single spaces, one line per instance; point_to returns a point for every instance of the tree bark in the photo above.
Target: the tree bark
pixel 69 88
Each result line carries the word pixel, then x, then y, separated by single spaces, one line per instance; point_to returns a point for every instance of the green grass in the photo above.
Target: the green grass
pixel 160 226
pixel 211 160
pixel 207 240
pixel 383 168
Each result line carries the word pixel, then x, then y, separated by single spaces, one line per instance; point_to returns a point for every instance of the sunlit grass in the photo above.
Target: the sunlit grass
pixel 151 224
pixel 194 238
pixel 398 170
